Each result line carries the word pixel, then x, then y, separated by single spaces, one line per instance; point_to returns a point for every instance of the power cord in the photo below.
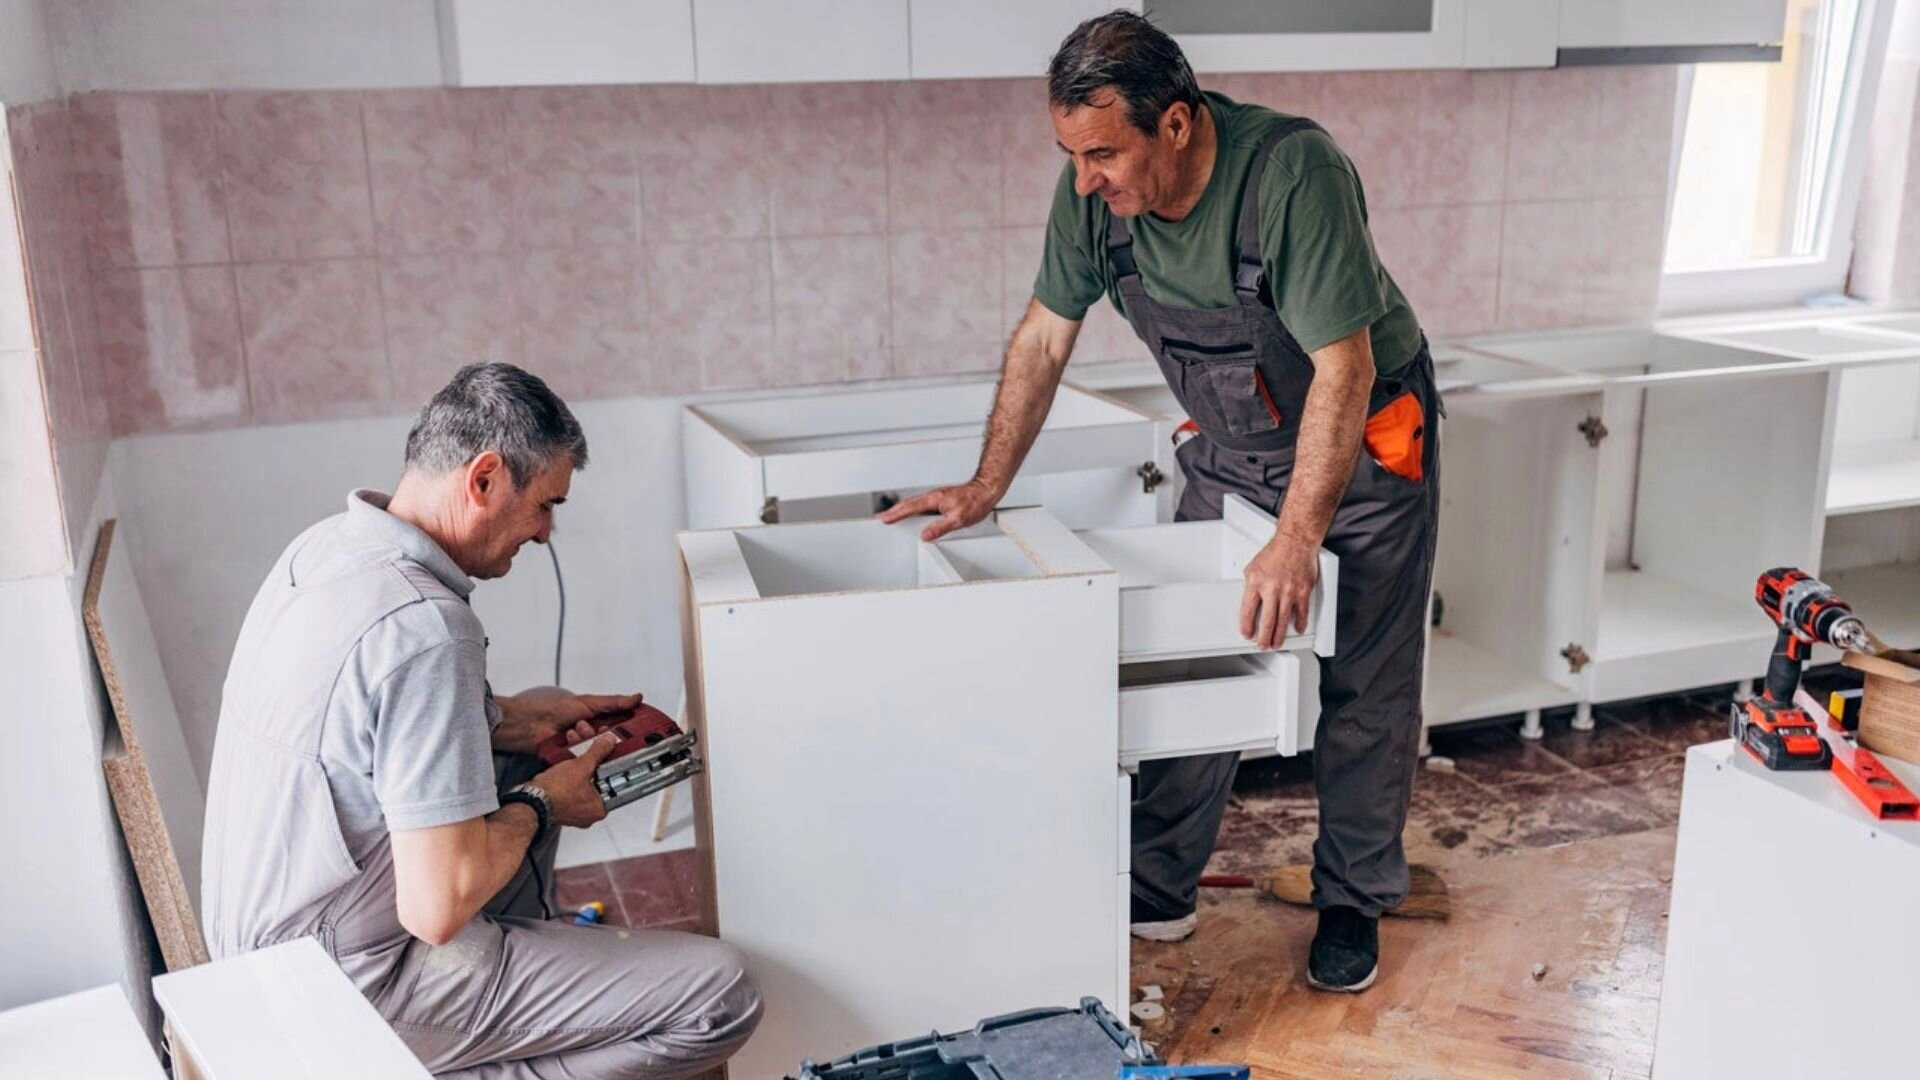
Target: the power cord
pixel 560 631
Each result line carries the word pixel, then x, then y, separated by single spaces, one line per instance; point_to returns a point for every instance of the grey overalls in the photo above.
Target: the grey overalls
pixel 1243 380
pixel 512 995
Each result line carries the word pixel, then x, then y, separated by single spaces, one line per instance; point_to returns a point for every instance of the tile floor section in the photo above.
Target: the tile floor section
pixel 1557 852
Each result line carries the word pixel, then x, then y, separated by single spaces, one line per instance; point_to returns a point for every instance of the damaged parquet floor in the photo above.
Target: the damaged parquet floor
pixel 1557 853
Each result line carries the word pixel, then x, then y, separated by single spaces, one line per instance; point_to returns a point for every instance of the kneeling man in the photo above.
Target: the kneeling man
pixel 369 790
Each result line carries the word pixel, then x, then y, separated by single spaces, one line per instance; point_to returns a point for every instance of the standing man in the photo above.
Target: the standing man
pixel 369 790
pixel 1234 240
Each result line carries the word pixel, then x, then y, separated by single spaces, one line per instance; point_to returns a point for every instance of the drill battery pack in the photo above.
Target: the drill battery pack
pixel 1779 735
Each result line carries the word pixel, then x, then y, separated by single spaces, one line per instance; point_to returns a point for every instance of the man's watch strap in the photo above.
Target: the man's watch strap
pixel 535 796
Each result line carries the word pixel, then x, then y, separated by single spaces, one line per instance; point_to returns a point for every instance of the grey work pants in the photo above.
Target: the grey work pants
pixel 1367 742
pixel 516 996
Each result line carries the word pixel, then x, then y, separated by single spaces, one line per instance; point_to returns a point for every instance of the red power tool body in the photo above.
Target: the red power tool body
pixel 652 754
pixel 1778 733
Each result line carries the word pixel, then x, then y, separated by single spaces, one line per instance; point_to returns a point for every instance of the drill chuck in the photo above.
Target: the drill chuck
pixel 1851 634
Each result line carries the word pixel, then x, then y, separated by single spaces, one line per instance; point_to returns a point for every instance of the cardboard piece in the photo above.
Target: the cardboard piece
pixel 156 792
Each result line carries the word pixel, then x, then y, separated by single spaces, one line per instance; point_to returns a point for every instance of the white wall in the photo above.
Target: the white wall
pixel 206 515
pixel 245 44
pixel 70 914
pixel 26 62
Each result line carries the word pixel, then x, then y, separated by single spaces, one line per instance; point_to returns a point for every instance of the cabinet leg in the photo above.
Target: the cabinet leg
pixel 1426 744
pixel 1583 716
pixel 1531 728
pixel 1742 692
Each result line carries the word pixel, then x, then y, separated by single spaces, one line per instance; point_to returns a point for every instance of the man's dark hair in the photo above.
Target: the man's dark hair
pixel 498 407
pixel 1123 52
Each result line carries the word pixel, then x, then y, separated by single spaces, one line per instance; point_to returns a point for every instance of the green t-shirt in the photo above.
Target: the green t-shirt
pixel 1321 267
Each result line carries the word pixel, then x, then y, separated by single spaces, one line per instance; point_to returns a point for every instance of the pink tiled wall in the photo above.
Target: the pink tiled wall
pixel 258 258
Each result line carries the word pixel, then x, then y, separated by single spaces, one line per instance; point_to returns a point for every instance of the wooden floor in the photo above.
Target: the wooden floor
pixel 1455 1000
pixel 1557 852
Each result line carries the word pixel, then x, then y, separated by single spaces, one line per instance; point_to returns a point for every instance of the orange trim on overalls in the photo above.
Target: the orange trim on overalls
pixel 1261 385
pixel 1396 436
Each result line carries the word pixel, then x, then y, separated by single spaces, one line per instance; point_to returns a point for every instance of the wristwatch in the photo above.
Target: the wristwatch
pixel 535 796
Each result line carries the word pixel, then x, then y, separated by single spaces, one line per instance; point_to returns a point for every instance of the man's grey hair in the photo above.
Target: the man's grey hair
pixel 1124 53
pixel 498 407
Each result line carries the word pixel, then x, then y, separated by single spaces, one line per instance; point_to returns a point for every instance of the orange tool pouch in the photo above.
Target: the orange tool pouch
pixel 1396 436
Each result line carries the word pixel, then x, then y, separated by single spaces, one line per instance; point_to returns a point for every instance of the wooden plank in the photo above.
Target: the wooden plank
pixel 285 1011
pixel 156 793
pixel 1049 544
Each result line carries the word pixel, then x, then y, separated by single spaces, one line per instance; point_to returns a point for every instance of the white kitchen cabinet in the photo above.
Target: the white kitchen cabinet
pixel 1612 24
pixel 801 456
pixel 767 41
pixel 1329 35
pixel 1756 851
pixel 910 815
pixel 1871 553
pixel 1727 479
pixel 973 39
pixel 1512 33
pixel 566 42
pixel 1516 563
pixel 1323 35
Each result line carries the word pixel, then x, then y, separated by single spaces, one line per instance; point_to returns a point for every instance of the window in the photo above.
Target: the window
pixel 1767 178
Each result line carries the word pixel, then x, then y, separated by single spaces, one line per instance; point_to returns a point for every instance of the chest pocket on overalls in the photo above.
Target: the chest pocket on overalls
pixel 1223 388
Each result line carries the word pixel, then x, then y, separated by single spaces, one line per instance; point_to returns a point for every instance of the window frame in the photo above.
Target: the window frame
pixel 1787 281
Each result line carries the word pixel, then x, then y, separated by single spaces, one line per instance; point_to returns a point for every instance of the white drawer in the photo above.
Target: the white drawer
pixel 1207 705
pixel 1180 586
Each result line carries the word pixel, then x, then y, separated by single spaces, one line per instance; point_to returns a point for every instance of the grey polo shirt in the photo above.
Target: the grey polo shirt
pixel 406 736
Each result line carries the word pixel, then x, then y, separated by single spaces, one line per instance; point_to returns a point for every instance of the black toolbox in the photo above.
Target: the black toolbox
pixel 1086 1043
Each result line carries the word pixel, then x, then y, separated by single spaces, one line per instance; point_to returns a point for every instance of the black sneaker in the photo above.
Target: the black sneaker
pixel 1345 956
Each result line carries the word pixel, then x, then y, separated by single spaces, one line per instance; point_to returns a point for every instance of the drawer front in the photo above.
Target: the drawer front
pixel 1186 619
pixel 1210 705
pixel 1181 585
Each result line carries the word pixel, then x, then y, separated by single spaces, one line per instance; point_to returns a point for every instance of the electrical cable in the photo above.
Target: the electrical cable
pixel 560 630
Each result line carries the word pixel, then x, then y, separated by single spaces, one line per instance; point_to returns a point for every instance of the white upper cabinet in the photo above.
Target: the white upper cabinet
pixel 963 39
pixel 750 41
pixel 566 42
pixel 1609 24
pixel 1316 35
pixel 1511 33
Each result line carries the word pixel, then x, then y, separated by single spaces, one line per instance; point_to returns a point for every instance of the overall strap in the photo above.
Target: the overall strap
pixel 1120 247
pixel 1248 271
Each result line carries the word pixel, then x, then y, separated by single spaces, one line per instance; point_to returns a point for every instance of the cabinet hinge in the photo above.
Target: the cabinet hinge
pixel 1593 429
pixel 1150 477
pixel 1576 657
pixel 770 511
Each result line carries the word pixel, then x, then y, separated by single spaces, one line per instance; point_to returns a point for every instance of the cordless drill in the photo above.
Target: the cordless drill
pixel 1779 734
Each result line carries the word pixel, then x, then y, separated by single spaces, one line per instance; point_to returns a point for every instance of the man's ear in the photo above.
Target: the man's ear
pixel 1176 124
pixel 487 480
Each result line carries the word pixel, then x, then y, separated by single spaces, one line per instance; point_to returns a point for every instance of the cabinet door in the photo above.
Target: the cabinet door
pixel 1316 35
pixel 750 41
pixel 1512 33
pixel 566 42
pixel 963 39
pixel 1595 24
